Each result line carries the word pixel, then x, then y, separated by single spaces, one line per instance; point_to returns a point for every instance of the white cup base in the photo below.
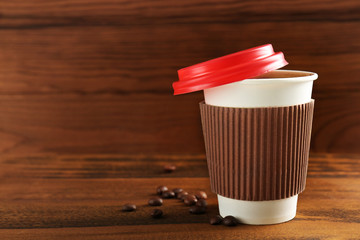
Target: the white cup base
pixel 259 212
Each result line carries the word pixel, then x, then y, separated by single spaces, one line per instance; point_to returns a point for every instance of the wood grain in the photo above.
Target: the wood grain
pixel 100 123
pixel 194 231
pixel 39 13
pixel 123 59
pixel 145 123
pixel 90 76
pixel 336 123
pixel 80 197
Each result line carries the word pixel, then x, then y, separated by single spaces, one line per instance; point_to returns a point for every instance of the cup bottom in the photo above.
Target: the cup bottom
pixel 259 212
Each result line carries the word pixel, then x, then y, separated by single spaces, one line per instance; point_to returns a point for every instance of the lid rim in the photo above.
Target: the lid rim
pixel 230 68
pixel 215 83
pixel 237 67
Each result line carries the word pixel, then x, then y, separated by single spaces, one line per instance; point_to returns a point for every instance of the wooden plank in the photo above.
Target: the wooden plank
pixel 110 166
pixel 77 207
pixel 144 123
pixel 38 13
pixel 122 59
pixel 107 166
pixel 336 125
pixel 102 123
pixel 296 230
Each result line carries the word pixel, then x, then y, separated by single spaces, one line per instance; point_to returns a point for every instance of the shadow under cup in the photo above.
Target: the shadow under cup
pixel 257 138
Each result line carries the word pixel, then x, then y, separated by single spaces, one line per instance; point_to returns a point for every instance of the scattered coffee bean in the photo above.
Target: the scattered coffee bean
pixel 190 200
pixel 129 207
pixel 230 221
pixel 197 210
pixel 201 195
pixel 161 189
pixel 156 213
pixel 216 220
pixel 169 168
pixel 201 203
pixel 177 191
pixel 156 201
pixel 182 195
pixel 168 194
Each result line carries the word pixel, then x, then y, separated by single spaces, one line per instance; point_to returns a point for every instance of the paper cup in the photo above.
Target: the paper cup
pixel 286 90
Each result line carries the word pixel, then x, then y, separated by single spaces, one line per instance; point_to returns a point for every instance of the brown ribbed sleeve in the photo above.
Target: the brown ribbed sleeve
pixel 257 153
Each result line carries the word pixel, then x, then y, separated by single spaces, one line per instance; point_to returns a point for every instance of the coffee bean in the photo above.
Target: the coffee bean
pixel 168 194
pixel 156 201
pixel 201 195
pixel 182 195
pixel 190 200
pixel 169 168
pixel 129 207
pixel 230 221
pixel 161 189
pixel 156 213
pixel 197 210
pixel 201 203
pixel 177 191
pixel 216 220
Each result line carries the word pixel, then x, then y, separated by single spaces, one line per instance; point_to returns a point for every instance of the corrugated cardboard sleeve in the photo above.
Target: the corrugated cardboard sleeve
pixel 257 153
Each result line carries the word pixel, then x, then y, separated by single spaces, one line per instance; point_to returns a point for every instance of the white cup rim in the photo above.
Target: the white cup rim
pixel 303 76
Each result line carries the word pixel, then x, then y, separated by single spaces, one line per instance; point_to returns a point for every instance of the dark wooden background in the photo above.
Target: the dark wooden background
pixel 91 76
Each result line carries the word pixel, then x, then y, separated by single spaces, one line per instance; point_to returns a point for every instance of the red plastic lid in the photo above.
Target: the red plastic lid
pixel 230 68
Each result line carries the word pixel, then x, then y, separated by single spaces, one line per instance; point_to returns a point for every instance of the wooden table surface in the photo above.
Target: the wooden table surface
pixel 80 197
